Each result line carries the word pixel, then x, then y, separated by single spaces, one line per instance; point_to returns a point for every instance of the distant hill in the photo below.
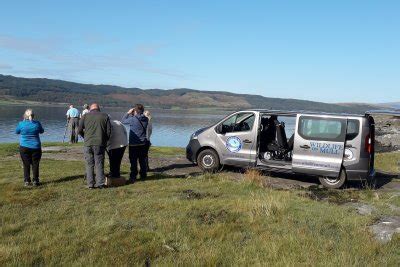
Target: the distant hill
pixel 395 105
pixel 58 91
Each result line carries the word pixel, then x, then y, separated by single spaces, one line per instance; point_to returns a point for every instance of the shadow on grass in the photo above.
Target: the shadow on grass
pixel 383 178
pixel 173 167
pixel 162 176
pixel 66 179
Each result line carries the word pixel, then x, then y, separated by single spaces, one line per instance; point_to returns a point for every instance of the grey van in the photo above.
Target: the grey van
pixel 334 147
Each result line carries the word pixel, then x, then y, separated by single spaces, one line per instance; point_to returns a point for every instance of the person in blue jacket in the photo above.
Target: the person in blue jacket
pixel 137 140
pixel 30 147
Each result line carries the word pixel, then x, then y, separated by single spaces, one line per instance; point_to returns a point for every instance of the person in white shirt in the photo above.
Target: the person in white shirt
pixel 116 147
pixel 85 110
pixel 149 131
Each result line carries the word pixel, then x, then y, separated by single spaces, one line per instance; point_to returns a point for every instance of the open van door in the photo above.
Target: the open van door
pixel 319 145
pixel 236 139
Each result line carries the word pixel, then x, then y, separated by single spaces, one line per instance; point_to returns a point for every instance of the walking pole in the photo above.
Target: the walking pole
pixel 65 132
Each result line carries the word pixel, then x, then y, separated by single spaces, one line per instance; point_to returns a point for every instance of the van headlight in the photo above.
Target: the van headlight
pixel 196 133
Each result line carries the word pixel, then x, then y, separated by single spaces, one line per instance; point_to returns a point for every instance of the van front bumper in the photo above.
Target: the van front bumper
pixel 192 149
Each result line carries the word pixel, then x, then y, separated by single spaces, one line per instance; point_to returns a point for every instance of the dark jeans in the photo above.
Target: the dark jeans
pixel 115 156
pixel 138 153
pixel 30 157
pixel 94 156
pixel 148 145
pixel 74 124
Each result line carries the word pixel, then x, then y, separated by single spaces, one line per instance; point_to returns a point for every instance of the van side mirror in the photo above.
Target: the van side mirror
pixel 220 129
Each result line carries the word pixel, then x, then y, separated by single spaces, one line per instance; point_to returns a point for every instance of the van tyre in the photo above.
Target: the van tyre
pixel 208 160
pixel 332 182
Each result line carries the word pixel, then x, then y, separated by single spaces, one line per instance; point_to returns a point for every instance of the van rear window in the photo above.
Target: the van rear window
pixel 327 129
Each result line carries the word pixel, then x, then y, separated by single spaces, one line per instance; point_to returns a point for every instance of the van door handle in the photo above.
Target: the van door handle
pixel 305 146
pixel 247 141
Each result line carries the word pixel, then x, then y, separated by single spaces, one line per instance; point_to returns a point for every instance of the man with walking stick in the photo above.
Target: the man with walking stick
pixel 73 122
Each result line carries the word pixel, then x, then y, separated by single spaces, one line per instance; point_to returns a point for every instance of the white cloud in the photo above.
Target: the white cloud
pixel 50 55
pixel 5 66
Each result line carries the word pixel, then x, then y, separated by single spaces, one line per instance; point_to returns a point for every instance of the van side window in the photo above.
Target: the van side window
pixel 238 123
pixel 353 128
pixel 315 128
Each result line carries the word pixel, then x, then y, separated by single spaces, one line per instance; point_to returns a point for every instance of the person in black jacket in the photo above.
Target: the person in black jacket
pixel 95 128
pixel 137 140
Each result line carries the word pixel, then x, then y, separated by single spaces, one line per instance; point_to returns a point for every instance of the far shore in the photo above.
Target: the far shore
pixel 26 103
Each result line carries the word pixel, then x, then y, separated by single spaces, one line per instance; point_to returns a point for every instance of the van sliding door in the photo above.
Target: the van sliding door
pixel 319 145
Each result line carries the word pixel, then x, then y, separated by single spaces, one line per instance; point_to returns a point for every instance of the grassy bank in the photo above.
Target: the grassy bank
pixel 206 220
pixel 389 162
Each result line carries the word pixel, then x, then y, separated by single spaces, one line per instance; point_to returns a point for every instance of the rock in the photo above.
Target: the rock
pixel 385 228
pixel 362 208
pixel 53 149
pixel 387 134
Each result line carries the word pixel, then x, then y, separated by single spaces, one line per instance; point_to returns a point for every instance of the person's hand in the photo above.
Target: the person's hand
pixel 130 111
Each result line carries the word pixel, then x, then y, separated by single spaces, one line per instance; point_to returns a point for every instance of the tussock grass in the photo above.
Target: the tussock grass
pixel 255 177
pixel 222 222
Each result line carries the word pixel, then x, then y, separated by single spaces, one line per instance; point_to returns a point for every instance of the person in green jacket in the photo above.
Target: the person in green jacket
pixel 95 128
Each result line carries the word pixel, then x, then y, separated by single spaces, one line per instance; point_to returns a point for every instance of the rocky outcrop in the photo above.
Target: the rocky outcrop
pixel 387 133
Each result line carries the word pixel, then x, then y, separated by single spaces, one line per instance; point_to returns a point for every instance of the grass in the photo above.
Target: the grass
pixel 166 151
pixel 207 220
pixel 389 162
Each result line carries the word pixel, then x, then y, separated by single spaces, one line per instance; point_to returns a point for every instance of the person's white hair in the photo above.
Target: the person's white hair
pixel 147 114
pixel 29 115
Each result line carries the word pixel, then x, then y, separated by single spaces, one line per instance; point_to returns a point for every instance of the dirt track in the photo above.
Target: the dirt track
pixel 178 166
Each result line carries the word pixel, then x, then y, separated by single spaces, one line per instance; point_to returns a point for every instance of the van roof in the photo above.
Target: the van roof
pixel 295 112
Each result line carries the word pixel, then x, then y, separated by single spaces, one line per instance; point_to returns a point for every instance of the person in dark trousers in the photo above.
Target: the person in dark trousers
pixel 137 140
pixel 73 123
pixel 95 128
pixel 116 147
pixel 30 147
pixel 148 136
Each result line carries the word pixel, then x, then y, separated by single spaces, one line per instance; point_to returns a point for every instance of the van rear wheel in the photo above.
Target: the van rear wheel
pixel 334 182
pixel 208 160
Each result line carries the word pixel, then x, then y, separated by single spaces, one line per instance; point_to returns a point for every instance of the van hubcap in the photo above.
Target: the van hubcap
pixel 208 160
pixel 332 181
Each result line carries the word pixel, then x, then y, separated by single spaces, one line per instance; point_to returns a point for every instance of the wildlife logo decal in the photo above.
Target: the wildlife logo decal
pixel 234 144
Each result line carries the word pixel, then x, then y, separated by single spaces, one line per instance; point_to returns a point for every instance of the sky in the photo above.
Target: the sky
pixel 329 51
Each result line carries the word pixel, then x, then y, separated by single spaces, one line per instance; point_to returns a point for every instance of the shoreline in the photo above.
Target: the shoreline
pixel 19 103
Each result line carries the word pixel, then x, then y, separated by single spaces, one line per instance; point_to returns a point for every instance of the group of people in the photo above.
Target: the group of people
pixel 101 135
pixel 73 116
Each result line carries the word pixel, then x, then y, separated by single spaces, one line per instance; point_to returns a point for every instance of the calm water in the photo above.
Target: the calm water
pixel 170 127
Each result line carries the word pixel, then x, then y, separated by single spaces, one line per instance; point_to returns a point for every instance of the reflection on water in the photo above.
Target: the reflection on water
pixel 170 127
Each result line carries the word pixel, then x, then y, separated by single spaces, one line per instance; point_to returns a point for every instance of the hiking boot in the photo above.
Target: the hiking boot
pixel 27 184
pixel 36 184
pixel 101 187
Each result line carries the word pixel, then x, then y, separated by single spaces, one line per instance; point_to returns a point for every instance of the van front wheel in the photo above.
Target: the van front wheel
pixel 208 160
pixel 334 182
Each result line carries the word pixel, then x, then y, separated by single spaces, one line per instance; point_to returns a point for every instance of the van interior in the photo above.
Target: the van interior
pixel 275 142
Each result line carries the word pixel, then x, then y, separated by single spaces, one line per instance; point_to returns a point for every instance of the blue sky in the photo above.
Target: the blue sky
pixel 330 51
